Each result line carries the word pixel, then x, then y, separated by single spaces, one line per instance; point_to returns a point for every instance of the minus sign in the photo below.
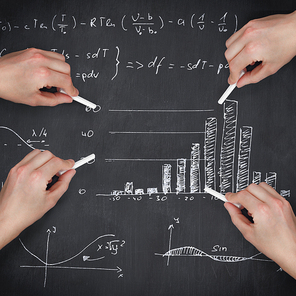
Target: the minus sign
pixel 83 24
pixel 76 55
pixel 16 27
pixel 171 22
pixel 5 144
pixel 182 67
pixel 19 144
pixel 211 66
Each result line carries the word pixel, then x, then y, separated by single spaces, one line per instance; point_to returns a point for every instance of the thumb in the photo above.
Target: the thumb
pixel 61 186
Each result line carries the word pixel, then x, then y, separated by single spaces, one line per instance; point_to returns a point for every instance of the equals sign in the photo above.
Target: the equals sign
pixel 130 65
pixel 171 66
pixel 77 75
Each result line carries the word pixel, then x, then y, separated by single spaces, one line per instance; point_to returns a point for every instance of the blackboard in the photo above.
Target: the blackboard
pixel 136 221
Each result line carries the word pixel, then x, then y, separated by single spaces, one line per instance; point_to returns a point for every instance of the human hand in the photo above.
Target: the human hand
pixel 270 40
pixel 24 198
pixel 274 229
pixel 24 73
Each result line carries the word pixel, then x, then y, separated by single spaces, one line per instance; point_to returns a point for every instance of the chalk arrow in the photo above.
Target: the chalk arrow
pixel 87 258
pixel 171 227
pixel 30 141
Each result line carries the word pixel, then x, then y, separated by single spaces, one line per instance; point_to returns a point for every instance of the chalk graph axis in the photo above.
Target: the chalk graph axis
pixel 191 251
pixel 112 245
pixel 229 170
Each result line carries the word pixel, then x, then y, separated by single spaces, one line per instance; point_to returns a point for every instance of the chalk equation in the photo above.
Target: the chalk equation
pixel 96 251
pixel 140 23
pixel 194 252
pixel 110 58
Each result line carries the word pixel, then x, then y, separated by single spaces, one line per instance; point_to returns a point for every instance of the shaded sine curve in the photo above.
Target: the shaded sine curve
pixel 192 251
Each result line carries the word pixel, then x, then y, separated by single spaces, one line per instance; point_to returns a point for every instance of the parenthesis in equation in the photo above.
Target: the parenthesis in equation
pixel 74 22
pixel 162 22
pixel 9 26
pixel 122 23
pixel 2 51
pixel 117 62
pixel 236 23
pixel 191 21
pixel 52 22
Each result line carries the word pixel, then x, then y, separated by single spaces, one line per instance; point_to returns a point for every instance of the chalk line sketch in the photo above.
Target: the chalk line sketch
pixel 188 170
pixel 227 155
pixel 104 242
pixel 11 130
pixel 244 155
pixel 38 138
pixel 210 152
pixel 191 251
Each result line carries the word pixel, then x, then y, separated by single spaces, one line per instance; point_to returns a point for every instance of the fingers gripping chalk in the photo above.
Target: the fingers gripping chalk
pixel 80 163
pixel 219 196
pixel 229 90
pixel 81 100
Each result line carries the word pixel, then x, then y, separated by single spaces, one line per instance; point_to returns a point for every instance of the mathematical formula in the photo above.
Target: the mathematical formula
pixel 139 23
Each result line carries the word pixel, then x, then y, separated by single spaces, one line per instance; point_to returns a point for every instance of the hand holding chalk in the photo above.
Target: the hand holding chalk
pixel 81 100
pixel 80 163
pixel 229 90
pixel 219 196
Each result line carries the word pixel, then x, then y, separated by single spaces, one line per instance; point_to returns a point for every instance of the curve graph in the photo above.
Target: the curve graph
pixel 106 242
pixel 11 130
pixel 191 251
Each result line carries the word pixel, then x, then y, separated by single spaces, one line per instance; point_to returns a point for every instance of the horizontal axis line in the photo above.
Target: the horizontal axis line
pixel 146 159
pixel 117 132
pixel 160 110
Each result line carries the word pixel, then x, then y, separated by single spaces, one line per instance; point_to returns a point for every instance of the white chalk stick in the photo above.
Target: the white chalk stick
pixel 80 162
pixel 229 90
pixel 81 100
pixel 219 196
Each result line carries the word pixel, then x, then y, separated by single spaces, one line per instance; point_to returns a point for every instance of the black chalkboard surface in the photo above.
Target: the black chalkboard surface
pixel 137 221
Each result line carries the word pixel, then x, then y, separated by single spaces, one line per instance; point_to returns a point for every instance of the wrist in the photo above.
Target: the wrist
pixel 292 18
pixel 8 232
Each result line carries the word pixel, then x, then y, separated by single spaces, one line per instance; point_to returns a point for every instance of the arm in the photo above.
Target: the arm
pixel 271 40
pixel 274 229
pixel 24 198
pixel 24 73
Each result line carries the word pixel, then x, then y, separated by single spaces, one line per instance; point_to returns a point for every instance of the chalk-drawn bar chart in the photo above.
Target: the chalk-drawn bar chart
pixel 199 168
